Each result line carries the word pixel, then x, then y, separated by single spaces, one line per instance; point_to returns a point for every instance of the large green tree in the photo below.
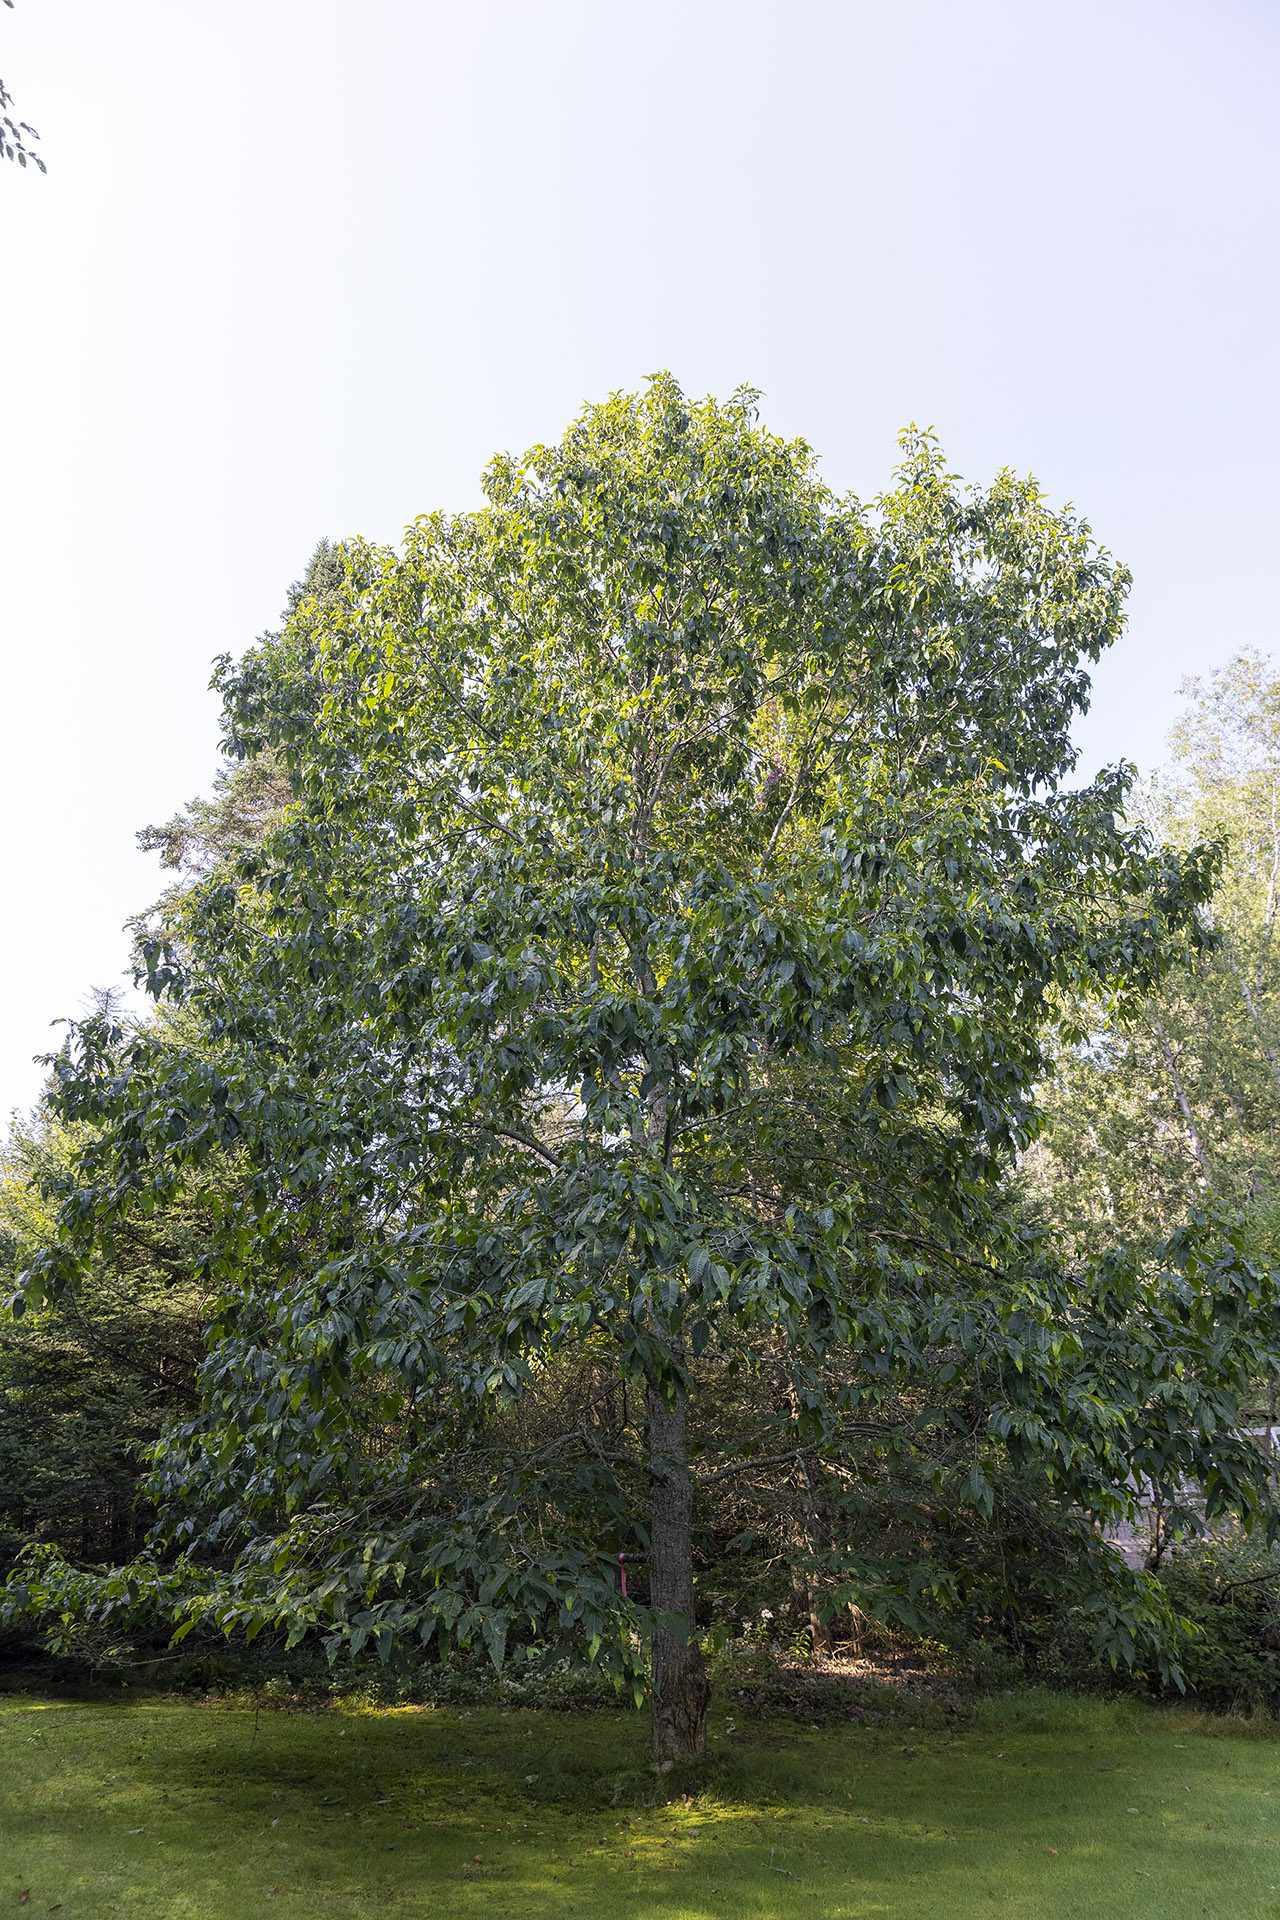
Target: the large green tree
pixel 644 995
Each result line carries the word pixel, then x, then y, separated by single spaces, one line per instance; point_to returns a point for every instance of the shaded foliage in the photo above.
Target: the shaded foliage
pixel 87 1383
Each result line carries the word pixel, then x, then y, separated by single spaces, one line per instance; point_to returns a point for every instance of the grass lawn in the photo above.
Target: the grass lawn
pixel 1032 1806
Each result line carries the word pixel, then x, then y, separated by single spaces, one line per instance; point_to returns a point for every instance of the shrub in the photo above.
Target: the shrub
pixel 1230 1591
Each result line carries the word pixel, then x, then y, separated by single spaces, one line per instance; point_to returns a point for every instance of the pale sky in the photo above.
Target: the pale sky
pixel 299 268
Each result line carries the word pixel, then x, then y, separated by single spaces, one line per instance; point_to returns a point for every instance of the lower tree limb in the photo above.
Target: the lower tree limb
pixel 678 1711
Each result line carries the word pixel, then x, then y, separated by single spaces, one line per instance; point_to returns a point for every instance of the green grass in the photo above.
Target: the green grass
pixel 1035 1806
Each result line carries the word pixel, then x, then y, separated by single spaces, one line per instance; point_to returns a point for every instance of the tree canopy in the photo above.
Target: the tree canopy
pixel 628 1028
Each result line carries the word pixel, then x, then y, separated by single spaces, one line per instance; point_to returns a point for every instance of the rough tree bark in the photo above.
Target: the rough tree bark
pixel 678 1710
pixel 811 1533
pixel 1194 1134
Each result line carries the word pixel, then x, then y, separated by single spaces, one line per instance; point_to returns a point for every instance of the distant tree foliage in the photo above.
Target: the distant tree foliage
pixel 1177 1100
pixel 87 1384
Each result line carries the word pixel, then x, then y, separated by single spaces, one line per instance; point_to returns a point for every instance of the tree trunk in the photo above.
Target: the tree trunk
pixel 1194 1134
pixel 678 1702
pixel 813 1532
pixel 1267 1051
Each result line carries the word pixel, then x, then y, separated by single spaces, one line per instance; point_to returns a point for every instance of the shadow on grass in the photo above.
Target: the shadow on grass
pixel 1042 1808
